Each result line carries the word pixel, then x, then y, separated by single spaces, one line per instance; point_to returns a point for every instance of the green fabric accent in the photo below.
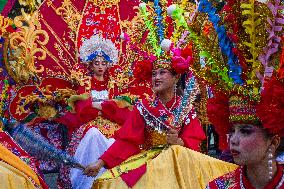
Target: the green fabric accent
pixel 132 163
pixel 2 4
pixel 29 118
pixel 125 98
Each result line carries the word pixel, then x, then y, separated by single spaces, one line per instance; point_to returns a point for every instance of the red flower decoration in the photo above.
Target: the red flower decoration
pixel 180 64
pixel 143 70
pixel 187 51
pixel 270 110
pixel 182 59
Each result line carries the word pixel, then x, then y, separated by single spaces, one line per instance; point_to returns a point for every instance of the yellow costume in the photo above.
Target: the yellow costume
pixel 14 172
pixel 12 178
pixel 175 168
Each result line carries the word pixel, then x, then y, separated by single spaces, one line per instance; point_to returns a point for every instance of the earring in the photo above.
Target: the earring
pixel 270 161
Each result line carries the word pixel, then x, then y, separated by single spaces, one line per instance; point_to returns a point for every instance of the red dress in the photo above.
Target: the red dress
pixel 85 113
pixel 136 134
pixel 86 117
pixel 238 180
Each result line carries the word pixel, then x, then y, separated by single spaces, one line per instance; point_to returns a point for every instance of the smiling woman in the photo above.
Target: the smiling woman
pixel 149 137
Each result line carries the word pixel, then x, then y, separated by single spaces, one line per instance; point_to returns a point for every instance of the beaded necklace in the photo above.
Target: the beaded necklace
pixel 156 123
pixel 171 108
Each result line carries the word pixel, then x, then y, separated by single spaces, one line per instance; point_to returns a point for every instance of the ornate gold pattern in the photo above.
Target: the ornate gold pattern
pixel 32 4
pixel 45 109
pixel 103 4
pixel 70 14
pixel 26 46
pixel 120 80
pixel 154 138
pixel 47 112
pixel 78 77
pixel 106 126
pixel 4 23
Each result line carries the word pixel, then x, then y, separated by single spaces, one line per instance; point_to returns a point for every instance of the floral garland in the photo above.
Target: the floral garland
pixel 224 42
pixel 176 13
pixel 232 22
pixel 182 40
pixel 252 25
pixel 188 98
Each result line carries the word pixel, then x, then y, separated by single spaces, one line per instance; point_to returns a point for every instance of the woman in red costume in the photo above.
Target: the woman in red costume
pixel 254 143
pixel 149 137
pixel 251 114
pixel 255 149
pixel 92 129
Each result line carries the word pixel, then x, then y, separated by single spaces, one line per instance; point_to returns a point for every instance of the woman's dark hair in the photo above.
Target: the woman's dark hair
pixel 280 148
pixel 89 68
pixel 180 84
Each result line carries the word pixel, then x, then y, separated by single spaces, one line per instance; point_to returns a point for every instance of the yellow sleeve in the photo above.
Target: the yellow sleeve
pixel 15 162
pixel 12 178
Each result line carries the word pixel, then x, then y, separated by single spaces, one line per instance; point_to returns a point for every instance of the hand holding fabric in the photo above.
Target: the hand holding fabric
pixel 92 170
pixel 173 138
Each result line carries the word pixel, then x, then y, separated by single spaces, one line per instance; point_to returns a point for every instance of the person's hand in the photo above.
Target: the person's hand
pixel 172 138
pixel 92 170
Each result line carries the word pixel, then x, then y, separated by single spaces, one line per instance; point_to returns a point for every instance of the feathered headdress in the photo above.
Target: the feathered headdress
pixel 162 39
pixel 237 50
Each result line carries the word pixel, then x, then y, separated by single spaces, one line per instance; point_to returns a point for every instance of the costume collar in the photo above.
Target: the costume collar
pixel 277 181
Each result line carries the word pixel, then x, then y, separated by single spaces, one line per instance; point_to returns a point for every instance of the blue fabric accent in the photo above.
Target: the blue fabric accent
pixel 95 54
pixel 4 121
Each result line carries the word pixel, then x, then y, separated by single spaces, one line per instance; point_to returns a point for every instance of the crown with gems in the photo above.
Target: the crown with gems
pixel 98 46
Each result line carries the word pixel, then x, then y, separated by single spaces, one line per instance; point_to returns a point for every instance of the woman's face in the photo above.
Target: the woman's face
pixel 163 80
pixel 248 144
pixel 99 66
